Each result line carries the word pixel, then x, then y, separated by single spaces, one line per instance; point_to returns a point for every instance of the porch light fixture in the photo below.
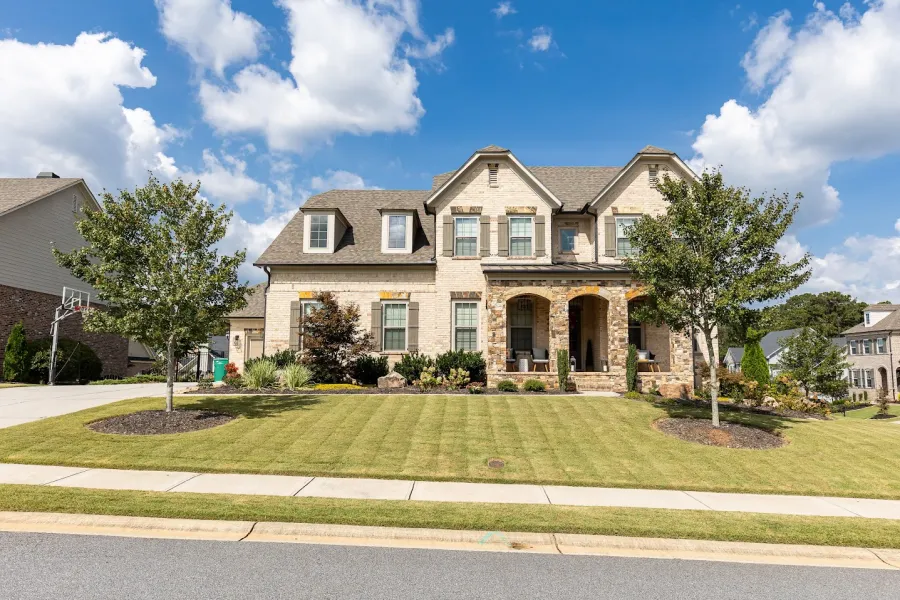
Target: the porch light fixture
pixel 523 303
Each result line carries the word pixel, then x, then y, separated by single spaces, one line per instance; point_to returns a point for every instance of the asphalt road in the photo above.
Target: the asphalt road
pixel 50 566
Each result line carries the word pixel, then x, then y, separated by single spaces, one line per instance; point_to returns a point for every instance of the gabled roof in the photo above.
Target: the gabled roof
pixel 256 304
pixel 888 323
pixel 16 192
pixel 771 341
pixel 647 151
pixel 361 244
pixel 655 150
pixel 488 152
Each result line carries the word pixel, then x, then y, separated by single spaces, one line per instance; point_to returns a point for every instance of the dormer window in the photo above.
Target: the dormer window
pixel 318 232
pixel 396 232
pixel 868 318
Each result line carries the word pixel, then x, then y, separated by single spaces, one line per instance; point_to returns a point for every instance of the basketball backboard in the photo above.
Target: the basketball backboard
pixel 75 300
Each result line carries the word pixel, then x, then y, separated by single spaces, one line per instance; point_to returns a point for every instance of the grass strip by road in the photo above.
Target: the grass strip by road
pixel 555 440
pixel 633 522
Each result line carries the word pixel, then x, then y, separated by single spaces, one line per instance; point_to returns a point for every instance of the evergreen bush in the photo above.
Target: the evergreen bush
pixel 473 362
pixel 369 368
pixel 16 359
pixel 631 365
pixel 412 365
pixel 754 365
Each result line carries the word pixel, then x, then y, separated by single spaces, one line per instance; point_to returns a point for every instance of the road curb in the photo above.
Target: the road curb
pixel 445 539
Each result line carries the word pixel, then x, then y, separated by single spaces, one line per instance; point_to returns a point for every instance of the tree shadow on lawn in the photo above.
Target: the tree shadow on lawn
pixel 251 407
pixel 771 423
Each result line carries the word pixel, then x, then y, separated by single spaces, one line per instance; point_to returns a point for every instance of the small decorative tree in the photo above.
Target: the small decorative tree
pixel 814 363
pixel 631 368
pixel 562 368
pixel 754 365
pixel 15 359
pixel 333 340
pixel 152 256
pixel 883 401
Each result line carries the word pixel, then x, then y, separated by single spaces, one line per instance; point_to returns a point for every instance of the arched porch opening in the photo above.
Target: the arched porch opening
pixel 589 333
pixel 883 380
pixel 652 341
pixel 527 333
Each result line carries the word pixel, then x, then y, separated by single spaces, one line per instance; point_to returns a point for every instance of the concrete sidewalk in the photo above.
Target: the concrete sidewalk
pixel 435 491
pixel 25 404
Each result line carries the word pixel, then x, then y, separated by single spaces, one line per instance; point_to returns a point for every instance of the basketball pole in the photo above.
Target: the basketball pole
pixel 51 380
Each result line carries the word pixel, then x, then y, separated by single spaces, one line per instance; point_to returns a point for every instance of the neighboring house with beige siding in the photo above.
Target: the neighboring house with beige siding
pixel 514 261
pixel 873 351
pixel 36 215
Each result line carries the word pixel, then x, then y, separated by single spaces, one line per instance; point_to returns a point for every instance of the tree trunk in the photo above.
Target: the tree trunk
pixel 712 347
pixel 170 375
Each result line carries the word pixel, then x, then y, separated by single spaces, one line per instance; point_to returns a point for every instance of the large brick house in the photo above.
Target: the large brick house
pixel 510 260
pixel 873 351
pixel 35 216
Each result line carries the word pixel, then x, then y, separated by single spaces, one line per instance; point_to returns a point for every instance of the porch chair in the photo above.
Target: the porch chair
pixel 539 357
pixel 510 360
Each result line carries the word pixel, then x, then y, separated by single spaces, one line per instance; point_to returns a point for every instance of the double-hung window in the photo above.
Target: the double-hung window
pixel 881 346
pixel 854 347
pixel 867 346
pixel 465 236
pixel 521 324
pixel 397 232
pixel 854 378
pixel 870 378
pixel 623 243
pixel 394 326
pixel 465 326
pixel 521 236
pixel 308 307
pixel 567 237
pixel 318 231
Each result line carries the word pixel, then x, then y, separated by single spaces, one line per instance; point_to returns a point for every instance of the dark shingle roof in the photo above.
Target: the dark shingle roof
pixel 16 192
pixel 771 341
pixel 888 323
pixel 361 243
pixel 737 354
pixel 493 148
pixel 574 186
pixel 256 304
pixel 655 150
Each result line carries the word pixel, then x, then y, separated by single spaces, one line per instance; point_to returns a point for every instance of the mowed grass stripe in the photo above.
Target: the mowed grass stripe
pixel 573 440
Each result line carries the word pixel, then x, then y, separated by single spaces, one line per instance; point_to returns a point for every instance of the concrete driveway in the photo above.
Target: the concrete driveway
pixel 25 404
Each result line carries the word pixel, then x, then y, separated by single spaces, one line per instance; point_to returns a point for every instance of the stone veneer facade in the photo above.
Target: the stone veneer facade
pixel 36 311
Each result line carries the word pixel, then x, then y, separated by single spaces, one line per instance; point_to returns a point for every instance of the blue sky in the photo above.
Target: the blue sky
pixel 388 93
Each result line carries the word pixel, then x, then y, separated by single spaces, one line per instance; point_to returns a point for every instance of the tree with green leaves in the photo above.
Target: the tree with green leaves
pixel 829 313
pixel 151 255
pixel 815 363
pixel 15 356
pixel 709 256
pixel 754 365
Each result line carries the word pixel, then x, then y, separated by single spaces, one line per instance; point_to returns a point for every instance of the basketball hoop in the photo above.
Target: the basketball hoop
pixel 73 301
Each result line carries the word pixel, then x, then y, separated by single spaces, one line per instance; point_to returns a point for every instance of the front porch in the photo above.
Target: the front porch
pixel 529 321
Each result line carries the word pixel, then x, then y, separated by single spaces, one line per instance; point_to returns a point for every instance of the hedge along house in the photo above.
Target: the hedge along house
pixel 516 262
pixel 36 215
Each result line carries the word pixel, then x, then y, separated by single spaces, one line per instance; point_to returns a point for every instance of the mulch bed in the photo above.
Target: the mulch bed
pixel 233 391
pixel 728 435
pixel 155 422
pixel 881 416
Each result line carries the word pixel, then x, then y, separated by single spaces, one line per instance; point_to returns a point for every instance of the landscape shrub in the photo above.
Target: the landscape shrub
pixel 730 384
pixel 205 383
pixel 457 379
pixel 369 368
pixel 754 365
pixel 261 374
pixel 411 365
pixel 132 379
pixel 883 401
pixel 507 385
pixel 631 365
pixel 633 395
pixel 231 369
pixel 282 358
pixel 75 362
pixel 475 388
pixel 429 379
pixel 234 380
pixel 333 340
pixel 534 385
pixel 296 376
pixel 16 359
pixel 473 362
pixel 562 367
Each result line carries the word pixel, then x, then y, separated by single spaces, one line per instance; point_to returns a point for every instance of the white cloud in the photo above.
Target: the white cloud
pixel 541 39
pixel 226 180
pixel 830 90
pixel 212 34
pixel 866 267
pixel 254 238
pixel 339 180
pixel 350 73
pixel 61 109
pixel 503 9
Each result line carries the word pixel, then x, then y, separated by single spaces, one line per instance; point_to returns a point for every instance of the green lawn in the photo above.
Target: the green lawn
pixel 574 440
pixel 637 522
pixel 12 385
pixel 869 412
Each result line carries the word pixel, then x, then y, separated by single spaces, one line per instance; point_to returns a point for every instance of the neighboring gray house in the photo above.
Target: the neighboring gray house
pixel 873 351
pixel 771 345
pixel 36 215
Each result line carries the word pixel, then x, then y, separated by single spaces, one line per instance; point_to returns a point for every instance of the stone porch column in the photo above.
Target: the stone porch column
pixel 495 357
pixel 681 352
pixel 559 327
pixel 618 330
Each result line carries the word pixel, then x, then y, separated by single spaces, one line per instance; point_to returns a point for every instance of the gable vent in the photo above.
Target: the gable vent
pixel 654 175
pixel 492 174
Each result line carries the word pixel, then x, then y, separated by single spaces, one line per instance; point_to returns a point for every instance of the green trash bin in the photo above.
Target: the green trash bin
pixel 219 368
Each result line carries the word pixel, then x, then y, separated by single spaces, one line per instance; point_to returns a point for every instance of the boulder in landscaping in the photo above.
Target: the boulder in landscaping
pixel 391 380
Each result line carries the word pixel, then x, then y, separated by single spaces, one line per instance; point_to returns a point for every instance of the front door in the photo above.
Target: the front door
pixel 254 347
pixel 575 334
